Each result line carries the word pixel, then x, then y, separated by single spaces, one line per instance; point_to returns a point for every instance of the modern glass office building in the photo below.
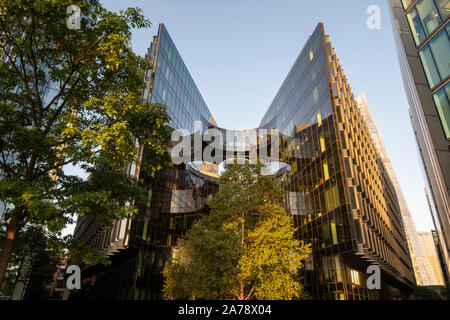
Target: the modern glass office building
pixel 344 202
pixel 421 32
pixel 336 186
pixel 435 274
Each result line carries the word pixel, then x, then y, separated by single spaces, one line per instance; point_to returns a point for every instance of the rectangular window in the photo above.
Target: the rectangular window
pixel 429 66
pixel 144 231
pixel 416 26
pixel 326 174
pixel 322 144
pixel 338 268
pixel 326 234
pixel 164 95
pixel 334 237
pixel 315 94
pixel 444 8
pixel 428 14
pixel 440 47
pixel 354 276
pixel 332 69
pixel 441 100
pixel 332 200
pixel 169 54
pixel 335 91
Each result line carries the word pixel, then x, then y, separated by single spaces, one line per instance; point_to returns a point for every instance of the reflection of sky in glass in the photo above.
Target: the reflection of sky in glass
pixel 174 87
pixel 303 96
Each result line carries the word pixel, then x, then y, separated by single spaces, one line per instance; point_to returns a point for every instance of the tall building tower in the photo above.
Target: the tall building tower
pixel 414 243
pixel 434 271
pixel 337 188
pixel 437 245
pixel 139 247
pixel 421 33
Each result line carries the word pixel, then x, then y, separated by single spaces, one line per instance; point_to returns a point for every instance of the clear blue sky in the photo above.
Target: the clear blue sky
pixel 239 52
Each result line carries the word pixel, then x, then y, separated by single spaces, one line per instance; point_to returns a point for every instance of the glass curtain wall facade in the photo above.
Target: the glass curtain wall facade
pixel 334 180
pixel 421 32
pixel 338 188
pixel 420 263
pixel 434 271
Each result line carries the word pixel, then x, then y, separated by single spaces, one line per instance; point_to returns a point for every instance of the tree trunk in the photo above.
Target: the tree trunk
pixel 242 284
pixel 241 293
pixel 11 233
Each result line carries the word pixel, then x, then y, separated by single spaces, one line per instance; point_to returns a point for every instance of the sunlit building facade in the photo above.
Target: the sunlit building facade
pixel 434 271
pixel 345 203
pixel 335 183
pixel 138 248
pixel 418 259
pixel 421 32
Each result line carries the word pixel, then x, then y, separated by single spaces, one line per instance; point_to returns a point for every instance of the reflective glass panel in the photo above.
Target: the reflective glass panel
pixel 440 47
pixel 444 7
pixel 428 14
pixel 416 26
pixel 441 100
pixel 429 66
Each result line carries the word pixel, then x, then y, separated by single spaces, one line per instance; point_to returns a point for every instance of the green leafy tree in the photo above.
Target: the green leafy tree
pixel 34 258
pixel 445 292
pixel 244 249
pixel 92 113
pixel 425 293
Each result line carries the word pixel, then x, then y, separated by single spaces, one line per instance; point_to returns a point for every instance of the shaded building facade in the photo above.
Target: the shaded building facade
pixel 437 244
pixel 421 33
pixel 344 201
pixel 335 183
pixel 434 271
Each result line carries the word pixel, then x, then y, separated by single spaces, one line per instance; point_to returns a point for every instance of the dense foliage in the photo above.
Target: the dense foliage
pixel 71 97
pixel 244 249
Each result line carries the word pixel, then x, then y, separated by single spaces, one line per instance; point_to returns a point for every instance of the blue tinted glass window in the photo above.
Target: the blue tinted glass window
pixel 441 100
pixel 443 7
pixel 440 47
pixel 429 66
pixel 428 14
pixel 416 26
